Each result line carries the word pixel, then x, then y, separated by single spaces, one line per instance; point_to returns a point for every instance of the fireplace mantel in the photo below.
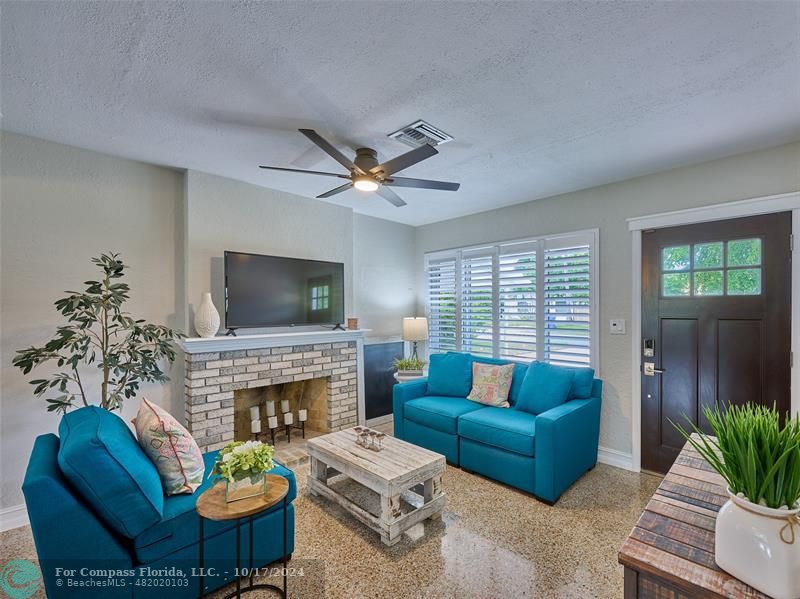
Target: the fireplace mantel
pixel 201 345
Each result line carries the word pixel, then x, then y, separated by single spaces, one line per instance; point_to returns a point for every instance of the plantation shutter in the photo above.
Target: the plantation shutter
pixel 517 301
pixel 442 304
pixel 477 302
pixel 567 301
pixel 523 300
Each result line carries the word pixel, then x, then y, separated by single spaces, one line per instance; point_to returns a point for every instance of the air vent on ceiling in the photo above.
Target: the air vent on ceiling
pixel 421 133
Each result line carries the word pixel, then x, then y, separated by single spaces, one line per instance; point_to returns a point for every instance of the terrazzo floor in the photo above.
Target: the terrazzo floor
pixel 492 542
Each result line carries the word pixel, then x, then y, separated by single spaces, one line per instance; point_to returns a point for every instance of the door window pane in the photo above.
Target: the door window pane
pixel 675 258
pixel 676 284
pixel 744 252
pixel 708 255
pixel 708 282
pixel 744 281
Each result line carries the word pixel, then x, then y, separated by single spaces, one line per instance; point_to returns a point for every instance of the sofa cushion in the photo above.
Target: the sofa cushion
pixel 512 430
pixel 582 384
pixel 545 387
pixel 439 413
pixel 450 375
pixel 520 368
pixel 179 526
pixel 102 459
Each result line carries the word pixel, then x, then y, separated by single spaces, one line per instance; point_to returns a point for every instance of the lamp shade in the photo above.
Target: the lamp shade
pixel 415 328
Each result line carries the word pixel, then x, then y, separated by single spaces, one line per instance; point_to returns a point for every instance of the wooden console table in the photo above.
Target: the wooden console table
pixel 670 551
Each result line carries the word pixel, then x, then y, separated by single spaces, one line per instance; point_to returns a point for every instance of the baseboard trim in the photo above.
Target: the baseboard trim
pixel 379 420
pixel 13 517
pixel 616 458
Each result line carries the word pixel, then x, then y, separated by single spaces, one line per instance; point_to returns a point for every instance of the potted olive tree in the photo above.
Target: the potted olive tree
pixel 757 535
pixel 99 334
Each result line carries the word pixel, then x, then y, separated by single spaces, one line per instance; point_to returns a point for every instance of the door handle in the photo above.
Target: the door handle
pixel 651 370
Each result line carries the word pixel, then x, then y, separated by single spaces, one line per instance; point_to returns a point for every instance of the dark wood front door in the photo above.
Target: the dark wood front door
pixel 716 301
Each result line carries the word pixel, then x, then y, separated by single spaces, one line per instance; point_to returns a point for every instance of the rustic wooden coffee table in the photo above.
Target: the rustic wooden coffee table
pixel 398 468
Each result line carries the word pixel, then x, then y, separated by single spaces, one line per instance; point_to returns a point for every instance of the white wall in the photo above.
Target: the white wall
pixel 755 174
pixel 223 214
pixel 59 207
pixel 383 274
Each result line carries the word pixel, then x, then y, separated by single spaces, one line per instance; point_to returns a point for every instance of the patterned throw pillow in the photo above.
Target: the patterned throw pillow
pixel 491 383
pixel 172 449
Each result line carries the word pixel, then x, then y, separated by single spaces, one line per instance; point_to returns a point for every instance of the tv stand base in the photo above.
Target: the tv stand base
pixel 231 333
pixel 338 327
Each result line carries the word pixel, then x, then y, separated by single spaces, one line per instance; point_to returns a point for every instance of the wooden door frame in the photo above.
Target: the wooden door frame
pixel 785 202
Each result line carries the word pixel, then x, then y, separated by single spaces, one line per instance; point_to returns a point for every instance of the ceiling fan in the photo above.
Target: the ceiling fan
pixel 367 175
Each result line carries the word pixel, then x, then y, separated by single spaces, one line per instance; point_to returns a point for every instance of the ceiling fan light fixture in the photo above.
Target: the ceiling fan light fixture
pixel 365 184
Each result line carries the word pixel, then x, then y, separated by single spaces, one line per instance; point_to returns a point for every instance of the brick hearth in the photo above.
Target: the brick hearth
pixel 212 377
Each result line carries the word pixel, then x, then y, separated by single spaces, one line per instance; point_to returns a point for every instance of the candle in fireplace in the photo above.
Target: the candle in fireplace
pixel 255 427
pixel 302 415
pixel 284 405
pixel 270 408
pixel 272 421
pixel 254 415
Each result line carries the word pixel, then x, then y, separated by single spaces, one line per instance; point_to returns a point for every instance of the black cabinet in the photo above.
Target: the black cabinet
pixel 379 377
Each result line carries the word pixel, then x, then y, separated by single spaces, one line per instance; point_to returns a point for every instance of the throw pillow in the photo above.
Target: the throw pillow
pixel 516 381
pixel 450 375
pixel 544 387
pixel 491 383
pixel 171 448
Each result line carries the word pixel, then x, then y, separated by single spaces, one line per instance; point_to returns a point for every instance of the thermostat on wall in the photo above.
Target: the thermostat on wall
pixel 617 326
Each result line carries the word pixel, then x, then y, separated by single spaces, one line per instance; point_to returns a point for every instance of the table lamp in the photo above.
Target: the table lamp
pixel 415 329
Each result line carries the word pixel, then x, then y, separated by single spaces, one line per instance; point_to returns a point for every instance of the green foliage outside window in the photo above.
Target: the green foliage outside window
pixel 697 270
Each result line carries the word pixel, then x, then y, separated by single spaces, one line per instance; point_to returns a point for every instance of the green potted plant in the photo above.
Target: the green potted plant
pixel 243 465
pixel 409 367
pixel 757 533
pixel 99 334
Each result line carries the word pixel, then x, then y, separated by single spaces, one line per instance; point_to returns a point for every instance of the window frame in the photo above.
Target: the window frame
pixel 542 243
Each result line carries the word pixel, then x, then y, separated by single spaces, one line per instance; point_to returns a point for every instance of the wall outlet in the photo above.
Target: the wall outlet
pixel 616 326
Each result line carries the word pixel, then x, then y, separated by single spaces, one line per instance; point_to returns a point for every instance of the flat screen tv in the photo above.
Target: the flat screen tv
pixel 273 291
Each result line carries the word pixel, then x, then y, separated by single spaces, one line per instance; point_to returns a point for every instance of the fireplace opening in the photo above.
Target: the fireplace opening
pixel 282 412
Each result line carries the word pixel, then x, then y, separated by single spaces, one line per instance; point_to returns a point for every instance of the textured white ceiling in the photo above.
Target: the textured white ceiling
pixel 542 98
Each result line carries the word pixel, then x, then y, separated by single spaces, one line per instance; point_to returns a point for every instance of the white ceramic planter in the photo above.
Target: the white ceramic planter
pixel 752 544
pixel 206 317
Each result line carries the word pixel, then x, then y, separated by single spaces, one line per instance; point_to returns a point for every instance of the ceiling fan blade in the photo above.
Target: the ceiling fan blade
pixel 390 196
pixel 297 170
pixel 335 190
pixel 422 183
pixel 330 150
pixel 405 160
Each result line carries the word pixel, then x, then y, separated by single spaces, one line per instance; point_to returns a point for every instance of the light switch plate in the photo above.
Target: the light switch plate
pixel 616 326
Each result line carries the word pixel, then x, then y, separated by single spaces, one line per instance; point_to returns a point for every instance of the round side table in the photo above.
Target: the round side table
pixel 211 505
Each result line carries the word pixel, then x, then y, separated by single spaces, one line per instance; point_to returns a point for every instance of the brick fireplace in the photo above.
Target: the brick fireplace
pixel 222 372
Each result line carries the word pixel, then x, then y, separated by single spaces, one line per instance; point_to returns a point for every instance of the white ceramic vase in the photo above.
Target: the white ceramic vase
pixel 760 546
pixel 206 317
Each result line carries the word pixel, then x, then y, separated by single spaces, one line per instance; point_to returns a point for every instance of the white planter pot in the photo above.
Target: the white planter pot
pixel 752 543
pixel 206 317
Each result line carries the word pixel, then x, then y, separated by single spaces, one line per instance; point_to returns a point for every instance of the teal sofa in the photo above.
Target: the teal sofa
pixel 542 453
pixel 96 506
